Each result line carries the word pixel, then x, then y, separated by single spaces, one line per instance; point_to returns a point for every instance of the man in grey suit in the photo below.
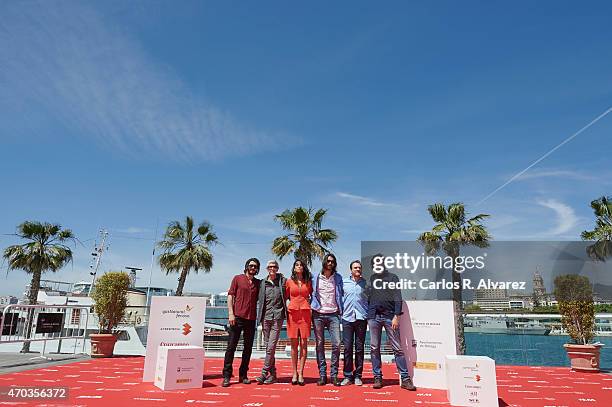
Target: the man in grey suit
pixel 271 311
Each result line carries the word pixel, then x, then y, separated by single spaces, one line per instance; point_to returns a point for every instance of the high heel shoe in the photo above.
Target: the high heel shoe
pixel 301 382
pixel 294 382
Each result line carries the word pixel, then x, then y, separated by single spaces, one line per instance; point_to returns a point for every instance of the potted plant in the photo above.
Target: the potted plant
pixel 575 298
pixel 110 300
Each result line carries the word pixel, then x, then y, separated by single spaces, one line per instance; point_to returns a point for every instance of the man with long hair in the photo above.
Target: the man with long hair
pixel 327 307
pixel 242 307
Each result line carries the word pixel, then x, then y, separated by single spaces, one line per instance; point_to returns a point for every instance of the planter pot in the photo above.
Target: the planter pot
pixel 583 358
pixel 102 345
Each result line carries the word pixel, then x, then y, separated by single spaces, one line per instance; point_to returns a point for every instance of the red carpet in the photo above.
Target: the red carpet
pixel 117 382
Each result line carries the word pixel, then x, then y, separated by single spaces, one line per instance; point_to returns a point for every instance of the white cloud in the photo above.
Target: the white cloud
pixel 565 174
pixel 132 230
pixel 565 217
pixel 362 200
pixel 98 81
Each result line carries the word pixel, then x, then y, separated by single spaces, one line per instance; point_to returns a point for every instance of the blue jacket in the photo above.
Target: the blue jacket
pixel 315 304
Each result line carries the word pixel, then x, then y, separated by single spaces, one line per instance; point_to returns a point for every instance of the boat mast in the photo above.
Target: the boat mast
pixel 97 257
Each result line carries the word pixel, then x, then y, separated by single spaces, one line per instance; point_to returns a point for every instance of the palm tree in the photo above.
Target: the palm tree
pixel 453 230
pixel 45 250
pixel 186 249
pixel 602 234
pixel 306 238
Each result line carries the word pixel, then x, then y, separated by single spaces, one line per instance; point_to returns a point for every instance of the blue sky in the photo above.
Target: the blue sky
pixel 129 115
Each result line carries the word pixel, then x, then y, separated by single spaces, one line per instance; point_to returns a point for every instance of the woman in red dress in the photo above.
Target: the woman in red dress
pixel 298 290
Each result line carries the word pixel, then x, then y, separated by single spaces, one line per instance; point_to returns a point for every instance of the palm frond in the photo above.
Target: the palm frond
pixel 308 238
pixel 456 214
pixel 437 212
pixel 429 237
pixel 602 233
pixel 187 249
pixel 286 219
pixel 283 246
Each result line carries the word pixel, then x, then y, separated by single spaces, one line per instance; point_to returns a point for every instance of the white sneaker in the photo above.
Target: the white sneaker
pixel 346 382
pixel 358 381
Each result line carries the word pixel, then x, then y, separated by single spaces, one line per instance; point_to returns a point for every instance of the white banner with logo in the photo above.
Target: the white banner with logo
pixel 427 330
pixel 471 381
pixel 173 321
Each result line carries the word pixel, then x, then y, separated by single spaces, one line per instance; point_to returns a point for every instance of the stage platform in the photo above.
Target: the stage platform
pixel 117 382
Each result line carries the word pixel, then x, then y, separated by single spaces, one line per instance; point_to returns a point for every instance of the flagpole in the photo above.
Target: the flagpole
pixel 151 268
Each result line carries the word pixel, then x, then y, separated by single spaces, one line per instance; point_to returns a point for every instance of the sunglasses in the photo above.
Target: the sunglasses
pixel 253 266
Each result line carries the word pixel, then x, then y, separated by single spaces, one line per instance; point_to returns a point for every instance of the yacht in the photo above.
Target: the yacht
pixel 505 326
pixel 74 308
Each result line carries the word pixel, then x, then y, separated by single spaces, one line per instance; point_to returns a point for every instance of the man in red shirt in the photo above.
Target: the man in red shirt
pixel 242 307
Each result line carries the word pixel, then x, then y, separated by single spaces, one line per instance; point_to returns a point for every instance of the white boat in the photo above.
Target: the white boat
pixel 504 326
pixel 529 324
pixel 78 317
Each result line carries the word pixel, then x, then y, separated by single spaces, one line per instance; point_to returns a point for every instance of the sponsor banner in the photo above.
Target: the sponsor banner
pixel 471 381
pixel 427 330
pixel 179 367
pixel 173 321
pixel 49 322
pixel 10 324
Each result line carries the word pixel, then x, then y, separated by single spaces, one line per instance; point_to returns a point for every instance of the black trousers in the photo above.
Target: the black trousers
pixel 246 327
pixel 353 333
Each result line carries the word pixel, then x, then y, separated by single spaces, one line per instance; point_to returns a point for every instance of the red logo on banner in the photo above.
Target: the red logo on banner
pixel 186 329
pixel 477 378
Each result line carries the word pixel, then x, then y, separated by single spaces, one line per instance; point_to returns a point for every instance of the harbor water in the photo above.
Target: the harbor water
pixel 529 350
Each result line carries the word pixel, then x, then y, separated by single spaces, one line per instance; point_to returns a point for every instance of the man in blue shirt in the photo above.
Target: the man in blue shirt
pixel 384 310
pixel 354 323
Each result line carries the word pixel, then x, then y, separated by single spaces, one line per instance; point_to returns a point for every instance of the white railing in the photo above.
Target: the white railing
pixel 41 323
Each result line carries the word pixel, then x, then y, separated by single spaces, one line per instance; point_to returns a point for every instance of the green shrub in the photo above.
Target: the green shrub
pixel 575 297
pixel 110 297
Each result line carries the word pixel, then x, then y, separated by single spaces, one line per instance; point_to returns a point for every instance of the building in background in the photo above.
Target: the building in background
pixel 219 300
pixel 8 300
pixel 493 299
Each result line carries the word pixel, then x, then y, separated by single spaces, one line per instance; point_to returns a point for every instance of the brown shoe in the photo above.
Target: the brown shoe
pixel 408 385
pixel 378 384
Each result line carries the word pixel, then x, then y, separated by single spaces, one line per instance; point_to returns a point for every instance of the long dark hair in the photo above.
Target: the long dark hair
pixel 252 259
pixel 328 255
pixel 305 274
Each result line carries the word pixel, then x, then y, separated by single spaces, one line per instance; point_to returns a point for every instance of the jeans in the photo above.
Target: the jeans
pixel 353 332
pixel 376 325
pixel 332 323
pixel 271 332
pixel 247 328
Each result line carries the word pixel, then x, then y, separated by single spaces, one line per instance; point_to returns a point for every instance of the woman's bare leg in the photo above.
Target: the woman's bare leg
pixel 303 355
pixel 294 358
